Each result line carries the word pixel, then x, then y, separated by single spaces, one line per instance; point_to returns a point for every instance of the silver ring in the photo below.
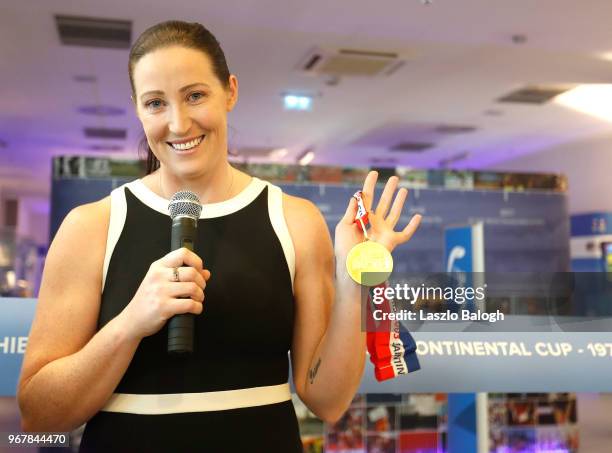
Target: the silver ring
pixel 175 274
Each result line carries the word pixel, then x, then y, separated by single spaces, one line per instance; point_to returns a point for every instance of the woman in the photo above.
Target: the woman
pixel 260 283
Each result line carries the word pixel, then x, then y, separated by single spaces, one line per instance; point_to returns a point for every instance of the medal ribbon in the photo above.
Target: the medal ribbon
pixel 391 347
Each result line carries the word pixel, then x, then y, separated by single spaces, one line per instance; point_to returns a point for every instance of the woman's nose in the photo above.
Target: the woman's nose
pixel 180 122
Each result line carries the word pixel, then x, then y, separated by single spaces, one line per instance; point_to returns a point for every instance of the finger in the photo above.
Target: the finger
pixel 206 274
pixel 180 306
pixel 396 209
pixel 368 189
pixel 386 197
pixel 351 212
pixel 182 257
pixel 412 226
pixel 188 274
pixel 183 290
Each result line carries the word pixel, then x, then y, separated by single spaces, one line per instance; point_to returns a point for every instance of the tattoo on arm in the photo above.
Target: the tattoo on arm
pixel 313 372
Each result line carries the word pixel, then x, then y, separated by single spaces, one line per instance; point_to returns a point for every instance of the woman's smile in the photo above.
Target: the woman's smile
pixel 186 147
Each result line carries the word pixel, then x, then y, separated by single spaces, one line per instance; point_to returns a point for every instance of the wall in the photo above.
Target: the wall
pixel 588 165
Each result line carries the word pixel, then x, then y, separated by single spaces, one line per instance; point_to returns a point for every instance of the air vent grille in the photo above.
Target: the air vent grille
pixel 411 147
pixel 94 32
pixel 445 163
pixel 349 62
pixel 451 129
pixel 104 148
pixel 101 110
pixel 534 94
pixel 105 133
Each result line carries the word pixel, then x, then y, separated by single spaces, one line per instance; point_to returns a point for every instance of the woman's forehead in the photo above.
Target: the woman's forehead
pixel 173 66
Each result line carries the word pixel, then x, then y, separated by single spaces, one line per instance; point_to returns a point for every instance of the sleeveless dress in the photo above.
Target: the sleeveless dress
pixel 232 393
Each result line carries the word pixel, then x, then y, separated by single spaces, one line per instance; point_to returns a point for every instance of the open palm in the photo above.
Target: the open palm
pixel 382 220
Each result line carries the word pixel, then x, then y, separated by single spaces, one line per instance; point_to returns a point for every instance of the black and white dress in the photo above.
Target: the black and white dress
pixel 232 394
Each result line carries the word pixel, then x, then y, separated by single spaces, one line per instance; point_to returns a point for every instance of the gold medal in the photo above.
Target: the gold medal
pixel 369 263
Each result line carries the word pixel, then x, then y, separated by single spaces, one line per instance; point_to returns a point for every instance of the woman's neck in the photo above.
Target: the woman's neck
pixel 212 187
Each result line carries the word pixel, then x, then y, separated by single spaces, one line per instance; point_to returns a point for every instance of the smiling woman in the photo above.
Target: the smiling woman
pixel 263 260
pixel 182 91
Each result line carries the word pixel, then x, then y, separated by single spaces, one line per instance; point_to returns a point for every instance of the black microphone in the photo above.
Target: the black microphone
pixel 185 209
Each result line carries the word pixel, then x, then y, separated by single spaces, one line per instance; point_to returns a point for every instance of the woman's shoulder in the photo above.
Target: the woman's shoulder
pixel 89 220
pixel 304 219
pixel 300 208
pixel 81 237
pixel 95 211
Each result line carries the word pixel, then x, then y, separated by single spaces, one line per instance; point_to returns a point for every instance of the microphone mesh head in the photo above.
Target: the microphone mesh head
pixel 185 203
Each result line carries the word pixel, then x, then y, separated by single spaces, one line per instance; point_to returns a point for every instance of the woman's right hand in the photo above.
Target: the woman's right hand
pixel 160 297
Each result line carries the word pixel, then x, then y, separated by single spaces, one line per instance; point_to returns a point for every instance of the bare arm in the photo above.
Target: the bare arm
pixel 69 370
pixel 67 392
pixel 328 351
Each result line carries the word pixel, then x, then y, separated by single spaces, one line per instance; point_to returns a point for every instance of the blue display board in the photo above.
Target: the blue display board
pixel 524 231
pixel 16 317
pixel 453 362
pixel 591 233
pixel 463 254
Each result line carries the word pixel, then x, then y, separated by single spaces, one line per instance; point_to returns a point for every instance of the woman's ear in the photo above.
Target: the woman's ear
pixel 232 93
pixel 135 105
pixel 133 99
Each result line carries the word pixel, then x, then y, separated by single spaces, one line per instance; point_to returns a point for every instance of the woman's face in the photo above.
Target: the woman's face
pixel 183 109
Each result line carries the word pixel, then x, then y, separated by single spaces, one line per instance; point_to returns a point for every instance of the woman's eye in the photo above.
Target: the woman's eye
pixel 153 104
pixel 196 96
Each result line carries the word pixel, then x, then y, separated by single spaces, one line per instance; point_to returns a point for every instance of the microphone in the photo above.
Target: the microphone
pixel 185 209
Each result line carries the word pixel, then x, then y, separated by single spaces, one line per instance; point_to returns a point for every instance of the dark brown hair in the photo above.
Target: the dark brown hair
pixel 176 33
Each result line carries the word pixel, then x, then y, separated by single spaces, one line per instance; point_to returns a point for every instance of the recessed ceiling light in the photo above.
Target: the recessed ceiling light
pixel 593 99
pixel 605 56
pixel 297 102
pixel 306 156
pixel 277 154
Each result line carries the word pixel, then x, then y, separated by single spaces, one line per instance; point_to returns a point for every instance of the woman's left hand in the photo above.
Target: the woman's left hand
pixel 382 220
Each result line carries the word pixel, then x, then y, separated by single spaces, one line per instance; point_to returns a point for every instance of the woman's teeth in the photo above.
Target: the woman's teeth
pixel 188 145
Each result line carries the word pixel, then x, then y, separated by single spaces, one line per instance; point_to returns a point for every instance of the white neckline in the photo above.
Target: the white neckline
pixel 210 210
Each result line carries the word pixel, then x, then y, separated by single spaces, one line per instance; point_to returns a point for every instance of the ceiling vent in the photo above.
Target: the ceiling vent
pixel 451 129
pixel 445 163
pixel 101 110
pixel 411 147
pixel 350 62
pixel 401 137
pixel 106 148
pixel 105 133
pixel 85 78
pixel 534 94
pixel 94 32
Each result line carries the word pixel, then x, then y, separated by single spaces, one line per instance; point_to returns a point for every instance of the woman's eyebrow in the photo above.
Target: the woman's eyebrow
pixel 185 88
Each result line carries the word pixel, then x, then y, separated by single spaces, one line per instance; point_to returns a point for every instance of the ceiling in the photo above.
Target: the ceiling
pixel 460 58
